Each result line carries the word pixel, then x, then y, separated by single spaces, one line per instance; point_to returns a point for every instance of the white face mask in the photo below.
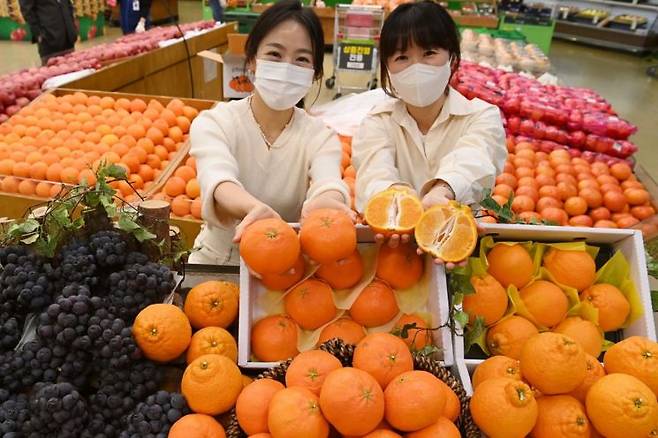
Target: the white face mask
pixel 282 85
pixel 420 84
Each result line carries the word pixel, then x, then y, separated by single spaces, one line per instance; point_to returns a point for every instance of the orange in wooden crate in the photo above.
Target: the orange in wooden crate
pixel 60 136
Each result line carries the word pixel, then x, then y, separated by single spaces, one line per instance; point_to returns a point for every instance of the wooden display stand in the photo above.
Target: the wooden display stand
pixel 166 71
pixel 15 205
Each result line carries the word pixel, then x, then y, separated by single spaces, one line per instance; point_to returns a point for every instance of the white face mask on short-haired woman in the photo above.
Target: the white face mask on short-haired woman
pixel 280 84
pixel 421 84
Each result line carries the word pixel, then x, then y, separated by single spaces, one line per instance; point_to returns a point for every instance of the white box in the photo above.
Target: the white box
pixel 628 241
pixel 251 290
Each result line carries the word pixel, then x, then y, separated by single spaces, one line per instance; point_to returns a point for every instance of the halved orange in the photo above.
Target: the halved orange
pixel 393 211
pixel 447 232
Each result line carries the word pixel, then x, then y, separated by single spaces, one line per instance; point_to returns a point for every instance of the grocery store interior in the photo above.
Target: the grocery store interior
pixel 618 75
pixel 185 254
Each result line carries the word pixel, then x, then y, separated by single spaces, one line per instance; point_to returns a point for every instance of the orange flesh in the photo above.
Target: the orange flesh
pixel 393 210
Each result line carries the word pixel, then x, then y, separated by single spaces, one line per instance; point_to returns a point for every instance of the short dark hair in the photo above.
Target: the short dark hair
pixel 425 24
pixel 283 11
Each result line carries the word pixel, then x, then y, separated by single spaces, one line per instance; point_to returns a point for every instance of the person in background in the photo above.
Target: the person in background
pixel 134 15
pixel 261 157
pixel 217 7
pixel 430 139
pixel 52 24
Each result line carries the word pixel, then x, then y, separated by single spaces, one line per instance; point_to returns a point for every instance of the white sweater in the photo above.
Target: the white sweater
pixel 227 143
pixel 465 147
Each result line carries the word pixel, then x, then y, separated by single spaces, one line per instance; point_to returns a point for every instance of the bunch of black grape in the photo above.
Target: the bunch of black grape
pixel 14 412
pixel 66 321
pixel 154 417
pixel 111 339
pixel 26 281
pixel 119 391
pixel 10 331
pixel 37 361
pixel 77 265
pixel 137 286
pixel 109 248
pixel 56 410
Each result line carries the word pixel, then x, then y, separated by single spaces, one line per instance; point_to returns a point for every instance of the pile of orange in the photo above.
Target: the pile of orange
pixel 62 139
pixel 271 249
pixel 544 304
pixel 571 191
pixel 212 381
pixel 182 190
pixel 380 395
pixel 555 389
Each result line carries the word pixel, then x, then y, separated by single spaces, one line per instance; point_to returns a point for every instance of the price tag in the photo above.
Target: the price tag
pixel 355 56
pixel 135 5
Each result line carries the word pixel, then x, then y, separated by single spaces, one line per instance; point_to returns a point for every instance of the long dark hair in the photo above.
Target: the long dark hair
pixel 278 13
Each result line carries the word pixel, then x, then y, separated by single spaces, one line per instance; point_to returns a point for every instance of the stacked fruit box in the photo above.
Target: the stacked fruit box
pixel 624 246
pixel 557 116
pixel 422 300
pixel 59 139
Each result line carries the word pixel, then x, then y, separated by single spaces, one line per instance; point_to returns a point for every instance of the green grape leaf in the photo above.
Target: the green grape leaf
pixel 461 318
pixel 474 334
pixel 18 230
pixel 108 204
pixel 61 216
pixel 428 350
pixel 460 283
pixel 126 223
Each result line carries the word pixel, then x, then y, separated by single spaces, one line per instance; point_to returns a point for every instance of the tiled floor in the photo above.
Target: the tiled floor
pixel 619 77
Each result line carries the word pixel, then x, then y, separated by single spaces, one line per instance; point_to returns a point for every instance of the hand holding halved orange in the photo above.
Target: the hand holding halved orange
pixel 393 215
pixel 447 232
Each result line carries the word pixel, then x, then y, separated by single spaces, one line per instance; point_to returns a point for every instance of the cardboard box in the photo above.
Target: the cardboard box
pixel 251 292
pixel 628 241
pixel 236 83
pixel 236 43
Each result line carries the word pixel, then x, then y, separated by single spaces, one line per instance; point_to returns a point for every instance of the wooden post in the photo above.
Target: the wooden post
pixel 154 216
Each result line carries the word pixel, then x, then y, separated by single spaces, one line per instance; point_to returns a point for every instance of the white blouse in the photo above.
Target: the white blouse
pixel 465 147
pixel 228 145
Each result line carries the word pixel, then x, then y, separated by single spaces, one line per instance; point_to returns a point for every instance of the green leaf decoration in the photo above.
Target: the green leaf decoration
pixel 654 300
pixel 461 318
pixel 108 204
pixel 61 216
pixel 476 335
pixel 30 239
pixel 428 350
pixel 18 230
pixel 460 283
pixel 126 223
pixel 652 265
pixel 114 171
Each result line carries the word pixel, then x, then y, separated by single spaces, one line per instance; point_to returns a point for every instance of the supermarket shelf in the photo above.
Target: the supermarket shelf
pixel 653 8
pixel 640 32
pixel 604 37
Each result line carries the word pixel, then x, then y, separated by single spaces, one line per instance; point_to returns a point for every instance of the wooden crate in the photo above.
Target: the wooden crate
pixel 17 204
pixel 166 71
